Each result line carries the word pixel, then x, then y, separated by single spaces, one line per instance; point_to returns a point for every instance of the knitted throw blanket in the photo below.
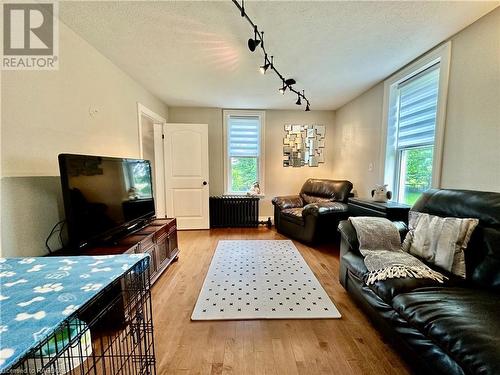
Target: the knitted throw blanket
pixel 380 245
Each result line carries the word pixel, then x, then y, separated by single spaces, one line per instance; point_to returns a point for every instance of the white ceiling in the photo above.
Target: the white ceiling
pixel 195 53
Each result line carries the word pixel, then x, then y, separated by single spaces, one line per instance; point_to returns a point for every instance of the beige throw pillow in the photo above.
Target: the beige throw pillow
pixel 439 240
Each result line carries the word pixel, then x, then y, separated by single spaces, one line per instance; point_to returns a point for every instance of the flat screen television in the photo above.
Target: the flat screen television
pixel 104 197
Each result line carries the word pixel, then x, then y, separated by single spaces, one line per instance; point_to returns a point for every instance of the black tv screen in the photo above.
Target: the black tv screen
pixel 104 196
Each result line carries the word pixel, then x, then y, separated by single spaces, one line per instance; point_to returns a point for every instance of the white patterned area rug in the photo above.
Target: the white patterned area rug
pixel 261 279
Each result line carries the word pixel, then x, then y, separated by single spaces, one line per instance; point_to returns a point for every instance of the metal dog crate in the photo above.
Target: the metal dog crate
pixel 111 334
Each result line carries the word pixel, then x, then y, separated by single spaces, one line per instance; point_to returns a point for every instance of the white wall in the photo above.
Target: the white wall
pixel 357 142
pixel 472 135
pixel 45 113
pixel 278 180
pixel 472 131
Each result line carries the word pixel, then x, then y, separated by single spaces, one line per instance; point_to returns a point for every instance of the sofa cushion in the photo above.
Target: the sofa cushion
pixel 463 322
pixel 388 289
pixel 485 241
pixel 439 240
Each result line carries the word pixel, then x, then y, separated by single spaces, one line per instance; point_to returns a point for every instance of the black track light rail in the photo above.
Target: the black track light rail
pixel 287 83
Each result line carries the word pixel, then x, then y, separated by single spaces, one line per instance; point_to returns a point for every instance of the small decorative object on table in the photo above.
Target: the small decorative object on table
pixel 255 189
pixel 381 194
pixel 133 194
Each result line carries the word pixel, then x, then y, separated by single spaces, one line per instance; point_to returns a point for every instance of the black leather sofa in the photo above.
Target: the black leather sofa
pixel 314 214
pixel 450 328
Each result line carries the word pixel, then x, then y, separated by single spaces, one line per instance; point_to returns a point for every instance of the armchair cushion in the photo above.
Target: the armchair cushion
pixel 293 214
pixel 315 190
pixel 324 208
pixel 288 201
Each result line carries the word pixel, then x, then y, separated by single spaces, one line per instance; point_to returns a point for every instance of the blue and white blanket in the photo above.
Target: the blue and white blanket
pixel 37 295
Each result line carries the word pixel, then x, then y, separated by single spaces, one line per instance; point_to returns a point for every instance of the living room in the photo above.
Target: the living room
pixel 172 82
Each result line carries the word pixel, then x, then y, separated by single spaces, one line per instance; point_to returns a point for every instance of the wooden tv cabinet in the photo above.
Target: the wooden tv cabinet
pixel 158 239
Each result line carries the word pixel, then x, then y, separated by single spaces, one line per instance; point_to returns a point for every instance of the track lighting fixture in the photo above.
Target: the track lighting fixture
pixel 254 43
pixel 282 89
pixel 267 64
pixel 258 40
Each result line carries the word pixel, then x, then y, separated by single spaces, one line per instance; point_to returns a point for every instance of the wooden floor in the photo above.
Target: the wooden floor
pixel 337 346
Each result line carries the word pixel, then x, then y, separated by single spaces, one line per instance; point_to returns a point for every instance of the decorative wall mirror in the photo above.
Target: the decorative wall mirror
pixel 303 145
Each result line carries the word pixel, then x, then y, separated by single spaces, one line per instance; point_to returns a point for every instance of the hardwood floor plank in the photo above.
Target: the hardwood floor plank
pixel 261 347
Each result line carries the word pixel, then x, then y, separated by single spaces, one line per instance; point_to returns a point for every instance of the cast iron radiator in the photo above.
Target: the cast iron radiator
pixel 234 211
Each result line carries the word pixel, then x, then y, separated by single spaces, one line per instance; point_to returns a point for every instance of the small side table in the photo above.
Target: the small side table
pixel 391 210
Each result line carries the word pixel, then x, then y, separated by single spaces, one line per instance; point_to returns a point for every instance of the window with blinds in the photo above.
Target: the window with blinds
pixel 414 115
pixel 243 135
pixel 417 109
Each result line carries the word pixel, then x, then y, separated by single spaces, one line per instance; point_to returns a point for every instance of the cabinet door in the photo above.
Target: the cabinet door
pixel 153 267
pixel 161 251
pixel 171 244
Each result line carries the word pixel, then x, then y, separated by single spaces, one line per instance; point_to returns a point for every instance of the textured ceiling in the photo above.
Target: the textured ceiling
pixel 195 54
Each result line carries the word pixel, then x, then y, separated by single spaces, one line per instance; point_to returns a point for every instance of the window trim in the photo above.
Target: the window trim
pixel 262 117
pixel 389 157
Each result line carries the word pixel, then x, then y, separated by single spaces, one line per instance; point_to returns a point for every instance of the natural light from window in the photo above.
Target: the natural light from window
pixel 412 132
pixel 243 164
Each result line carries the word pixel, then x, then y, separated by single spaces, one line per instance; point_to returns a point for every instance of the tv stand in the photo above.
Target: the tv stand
pixel 158 238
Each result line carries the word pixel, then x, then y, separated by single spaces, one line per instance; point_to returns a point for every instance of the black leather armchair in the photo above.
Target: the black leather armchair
pixel 449 328
pixel 314 214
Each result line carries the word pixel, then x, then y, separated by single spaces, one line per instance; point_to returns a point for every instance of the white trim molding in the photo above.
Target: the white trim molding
pixel 441 55
pixel 142 110
pixel 240 112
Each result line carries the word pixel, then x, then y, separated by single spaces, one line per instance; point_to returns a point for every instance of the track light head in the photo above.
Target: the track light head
pixel 298 102
pixel 307 107
pixel 290 82
pixel 253 43
pixel 267 65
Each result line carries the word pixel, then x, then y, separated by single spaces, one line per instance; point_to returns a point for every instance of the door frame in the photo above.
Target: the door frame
pixel 142 110
pixel 159 187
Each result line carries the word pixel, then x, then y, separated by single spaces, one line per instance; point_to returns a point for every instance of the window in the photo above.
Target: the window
pixel 243 132
pixel 415 126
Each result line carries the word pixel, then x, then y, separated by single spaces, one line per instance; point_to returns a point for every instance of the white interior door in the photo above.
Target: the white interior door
pixel 186 174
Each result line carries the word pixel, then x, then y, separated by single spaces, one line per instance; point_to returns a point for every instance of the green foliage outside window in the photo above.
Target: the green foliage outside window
pixel 418 177
pixel 244 172
pixel 141 179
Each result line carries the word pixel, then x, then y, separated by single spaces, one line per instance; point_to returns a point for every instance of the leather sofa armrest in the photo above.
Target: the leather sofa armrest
pixel 324 208
pixel 288 201
pixel 402 228
pixel 348 235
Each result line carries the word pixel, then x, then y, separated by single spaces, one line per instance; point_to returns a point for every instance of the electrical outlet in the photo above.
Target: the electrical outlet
pixel 370 167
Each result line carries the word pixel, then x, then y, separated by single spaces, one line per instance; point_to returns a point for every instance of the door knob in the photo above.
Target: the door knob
pixel 204 183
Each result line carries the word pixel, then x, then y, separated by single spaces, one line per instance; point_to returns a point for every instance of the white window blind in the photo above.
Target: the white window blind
pixel 244 136
pixel 416 119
